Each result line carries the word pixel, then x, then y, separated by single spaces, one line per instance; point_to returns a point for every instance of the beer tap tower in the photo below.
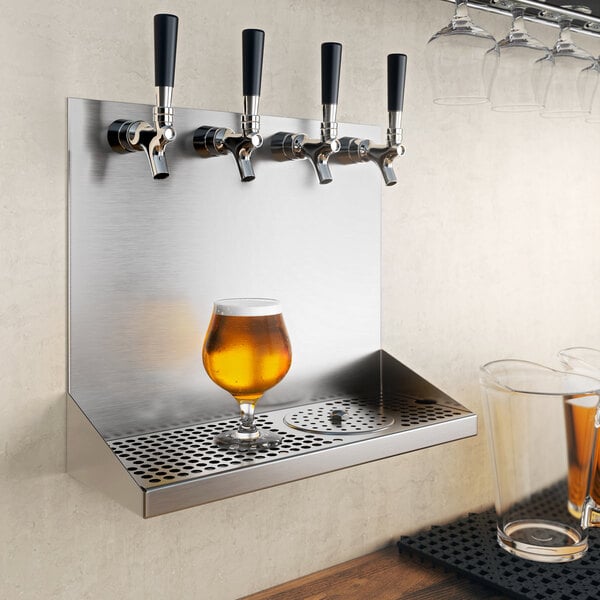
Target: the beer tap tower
pixel 293 146
pixel 130 136
pixel 144 274
pixel 355 150
pixel 219 141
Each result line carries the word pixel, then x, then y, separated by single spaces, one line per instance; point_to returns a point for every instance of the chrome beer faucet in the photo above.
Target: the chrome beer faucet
pixel 131 136
pixel 293 146
pixel 355 150
pixel 218 141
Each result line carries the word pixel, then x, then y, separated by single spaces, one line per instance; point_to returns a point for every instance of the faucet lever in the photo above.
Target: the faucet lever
pixel 331 62
pixel 293 146
pixel 131 136
pixel 354 150
pixel 253 45
pixel 217 141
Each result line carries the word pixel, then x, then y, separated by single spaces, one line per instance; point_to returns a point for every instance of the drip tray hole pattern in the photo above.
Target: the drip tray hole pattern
pixel 348 416
pixel 175 455
pixel 179 454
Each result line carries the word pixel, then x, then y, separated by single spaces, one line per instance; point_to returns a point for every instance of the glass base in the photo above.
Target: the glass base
pixel 563 114
pixel 542 541
pixel 460 100
pixel 236 441
pixel 574 509
pixel 512 108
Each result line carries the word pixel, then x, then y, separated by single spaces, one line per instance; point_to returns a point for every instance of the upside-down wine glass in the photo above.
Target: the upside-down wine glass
pixel 570 88
pixel 594 116
pixel 462 59
pixel 246 352
pixel 520 74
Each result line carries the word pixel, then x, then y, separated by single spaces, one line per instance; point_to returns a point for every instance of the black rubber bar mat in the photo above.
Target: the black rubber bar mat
pixel 469 547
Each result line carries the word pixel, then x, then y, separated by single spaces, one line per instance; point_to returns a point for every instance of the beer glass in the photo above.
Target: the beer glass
pixel 528 409
pixel 585 361
pixel 246 352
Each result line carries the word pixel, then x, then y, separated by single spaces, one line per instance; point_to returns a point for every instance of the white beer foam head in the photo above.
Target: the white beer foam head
pixel 247 307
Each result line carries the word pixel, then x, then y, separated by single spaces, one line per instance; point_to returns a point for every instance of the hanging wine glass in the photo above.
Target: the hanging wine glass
pixel 462 59
pixel 570 88
pixel 594 116
pixel 520 72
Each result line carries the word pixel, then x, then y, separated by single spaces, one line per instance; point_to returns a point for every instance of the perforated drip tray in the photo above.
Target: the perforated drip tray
pixel 170 456
pixel 160 471
pixel 183 467
pixel 167 457
pixel 343 416
pixel 469 547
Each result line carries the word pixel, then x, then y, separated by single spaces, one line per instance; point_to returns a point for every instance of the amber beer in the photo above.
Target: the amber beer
pixel 247 349
pixel 580 412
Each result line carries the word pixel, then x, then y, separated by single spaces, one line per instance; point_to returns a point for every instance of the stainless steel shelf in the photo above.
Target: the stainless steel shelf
pixel 146 260
pixel 165 471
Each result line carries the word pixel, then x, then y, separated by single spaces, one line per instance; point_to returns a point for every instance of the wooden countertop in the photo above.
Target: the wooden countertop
pixel 382 575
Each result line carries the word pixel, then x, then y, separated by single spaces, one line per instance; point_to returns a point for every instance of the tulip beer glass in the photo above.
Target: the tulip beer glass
pixel 246 352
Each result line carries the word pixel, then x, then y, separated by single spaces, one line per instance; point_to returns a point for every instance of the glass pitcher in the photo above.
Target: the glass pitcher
pixel 582 360
pixel 529 411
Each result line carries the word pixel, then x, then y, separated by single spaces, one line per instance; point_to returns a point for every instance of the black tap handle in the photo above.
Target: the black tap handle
pixel 253 45
pixel 165 49
pixel 331 60
pixel 396 73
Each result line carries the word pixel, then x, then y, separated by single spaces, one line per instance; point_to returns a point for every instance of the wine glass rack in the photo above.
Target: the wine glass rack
pixel 584 15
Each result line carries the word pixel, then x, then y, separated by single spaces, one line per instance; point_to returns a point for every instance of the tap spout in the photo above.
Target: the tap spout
pixel 318 152
pixel 216 141
pixel 383 156
pixel 295 146
pixel 155 151
pixel 131 136
pixel 242 147
pixel 355 150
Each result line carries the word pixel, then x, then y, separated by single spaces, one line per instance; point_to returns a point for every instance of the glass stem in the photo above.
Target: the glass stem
pixel 565 30
pixel 518 24
pixel 461 9
pixel 247 426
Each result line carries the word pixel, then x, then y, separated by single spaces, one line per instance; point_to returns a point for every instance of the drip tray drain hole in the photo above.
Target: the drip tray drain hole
pixel 339 417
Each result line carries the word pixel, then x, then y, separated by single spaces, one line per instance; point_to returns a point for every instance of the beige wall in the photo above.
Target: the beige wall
pixel 490 250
